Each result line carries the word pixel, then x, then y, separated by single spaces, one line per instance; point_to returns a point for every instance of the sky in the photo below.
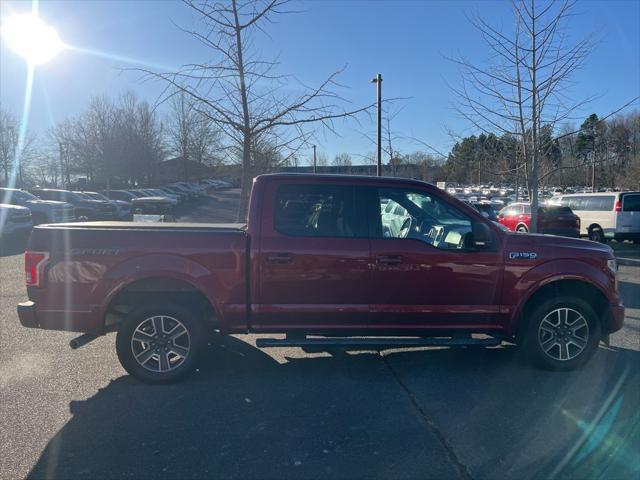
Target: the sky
pixel 408 42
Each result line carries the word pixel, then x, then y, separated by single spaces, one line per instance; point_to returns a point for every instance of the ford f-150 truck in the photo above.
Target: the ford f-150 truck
pixel 322 261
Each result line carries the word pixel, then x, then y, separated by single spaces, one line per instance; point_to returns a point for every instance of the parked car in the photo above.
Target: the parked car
pixel 486 210
pixel 86 209
pixel 14 220
pixel 104 201
pixel 140 203
pixel 42 211
pixel 181 196
pixel 153 192
pixel 122 209
pixel 314 259
pixel 552 220
pixel 165 203
pixel 181 192
pixel 605 216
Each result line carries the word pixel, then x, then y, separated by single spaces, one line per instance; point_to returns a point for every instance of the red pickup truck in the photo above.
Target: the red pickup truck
pixel 325 260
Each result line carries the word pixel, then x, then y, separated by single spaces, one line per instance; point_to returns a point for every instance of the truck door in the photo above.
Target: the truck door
pixel 313 258
pixel 428 274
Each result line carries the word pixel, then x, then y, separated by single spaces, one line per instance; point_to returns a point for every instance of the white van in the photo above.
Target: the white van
pixel 606 215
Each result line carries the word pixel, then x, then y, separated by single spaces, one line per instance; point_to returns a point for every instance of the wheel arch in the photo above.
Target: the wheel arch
pixel 156 288
pixel 568 287
pixel 146 278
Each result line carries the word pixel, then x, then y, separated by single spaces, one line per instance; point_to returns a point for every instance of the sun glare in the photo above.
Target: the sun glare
pixel 30 37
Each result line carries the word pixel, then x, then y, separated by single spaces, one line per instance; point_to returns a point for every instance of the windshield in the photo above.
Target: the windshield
pixel 96 196
pixel 17 197
pixel 80 195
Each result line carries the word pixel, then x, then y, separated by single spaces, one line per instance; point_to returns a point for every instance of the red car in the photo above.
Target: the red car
pixel 553 220
pixel 323 261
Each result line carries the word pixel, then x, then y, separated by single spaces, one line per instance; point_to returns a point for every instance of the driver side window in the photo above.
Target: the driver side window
pixel 420 216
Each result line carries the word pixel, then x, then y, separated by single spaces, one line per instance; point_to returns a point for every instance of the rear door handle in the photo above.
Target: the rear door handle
pixel 388 259
pixel 280 258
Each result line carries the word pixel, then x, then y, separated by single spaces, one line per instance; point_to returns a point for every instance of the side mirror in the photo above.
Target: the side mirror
pixel 482 236
pixel 484 214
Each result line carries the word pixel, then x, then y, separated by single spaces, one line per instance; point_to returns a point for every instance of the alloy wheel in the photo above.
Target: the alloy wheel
pixel 563 334
pixel 160 343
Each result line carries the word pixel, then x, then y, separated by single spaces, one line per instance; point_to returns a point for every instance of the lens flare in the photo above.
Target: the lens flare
pixel 29 36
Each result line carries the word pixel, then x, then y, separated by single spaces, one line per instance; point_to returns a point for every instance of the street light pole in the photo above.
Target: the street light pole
pixel 314 159
pixel 378 82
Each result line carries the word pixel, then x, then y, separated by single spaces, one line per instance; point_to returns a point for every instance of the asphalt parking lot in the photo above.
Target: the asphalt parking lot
pixel 283 413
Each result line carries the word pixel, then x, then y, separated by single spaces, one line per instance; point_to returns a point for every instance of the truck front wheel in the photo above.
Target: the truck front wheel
pixel 160 343
pixel 561 334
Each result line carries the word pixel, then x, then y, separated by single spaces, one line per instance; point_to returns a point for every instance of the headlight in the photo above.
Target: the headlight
pixel 613 266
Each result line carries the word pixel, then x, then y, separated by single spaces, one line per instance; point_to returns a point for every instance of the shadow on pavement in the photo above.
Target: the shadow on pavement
pixel 243 415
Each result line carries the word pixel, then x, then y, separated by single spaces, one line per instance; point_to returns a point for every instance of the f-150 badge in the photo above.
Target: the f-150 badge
pixel 523 255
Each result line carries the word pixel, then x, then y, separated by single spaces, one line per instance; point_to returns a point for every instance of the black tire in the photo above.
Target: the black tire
pixel 596 235
pixel 522 229
pixel 193 341
pixel 537 340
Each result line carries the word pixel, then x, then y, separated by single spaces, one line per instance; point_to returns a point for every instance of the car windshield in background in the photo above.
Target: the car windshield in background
pixel 81 195
pixel 15 196
pixel 96 196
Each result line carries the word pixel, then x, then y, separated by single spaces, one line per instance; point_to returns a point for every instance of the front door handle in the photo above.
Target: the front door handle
pixel 388 259
pixel 280 258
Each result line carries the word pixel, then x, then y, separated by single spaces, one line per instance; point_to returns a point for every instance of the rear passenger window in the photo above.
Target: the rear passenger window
pixel 317 211
pixel 599 204
pixel 631 203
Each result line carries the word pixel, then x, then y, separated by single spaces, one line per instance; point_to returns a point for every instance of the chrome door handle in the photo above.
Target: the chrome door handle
pixel 280 258
pixel 389 259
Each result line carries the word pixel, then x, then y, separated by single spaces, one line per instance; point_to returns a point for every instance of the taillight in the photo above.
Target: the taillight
pixel 34 263
pixel 618 207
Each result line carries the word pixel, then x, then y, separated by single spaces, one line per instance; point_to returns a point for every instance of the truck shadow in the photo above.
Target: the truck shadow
pixel 357 415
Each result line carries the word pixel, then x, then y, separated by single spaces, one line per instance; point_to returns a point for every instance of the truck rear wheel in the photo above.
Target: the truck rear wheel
pixel 562 334
pixel 160 343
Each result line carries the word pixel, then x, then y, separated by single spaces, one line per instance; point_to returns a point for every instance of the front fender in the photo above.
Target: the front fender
pixel 519 286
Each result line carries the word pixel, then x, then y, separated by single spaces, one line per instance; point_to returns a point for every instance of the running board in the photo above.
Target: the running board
pixel 376 342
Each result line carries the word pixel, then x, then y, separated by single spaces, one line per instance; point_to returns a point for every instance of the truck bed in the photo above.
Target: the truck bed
pixel 89 262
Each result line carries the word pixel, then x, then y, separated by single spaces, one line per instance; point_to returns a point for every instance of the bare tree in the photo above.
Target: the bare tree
pixel 110 142
pixel 390 137
pixel 242 93
pixel 523 87
pixel 8 143
pixel 322 160
pixel 343 160
pixel 10 158
pixel 191 136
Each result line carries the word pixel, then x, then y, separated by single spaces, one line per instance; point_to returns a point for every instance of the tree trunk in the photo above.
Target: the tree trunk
pixel 534 126
pixel 246 140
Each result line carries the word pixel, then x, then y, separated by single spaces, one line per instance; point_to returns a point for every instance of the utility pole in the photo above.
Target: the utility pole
pixel 314 160
pixel 378 82
pixel 593 172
